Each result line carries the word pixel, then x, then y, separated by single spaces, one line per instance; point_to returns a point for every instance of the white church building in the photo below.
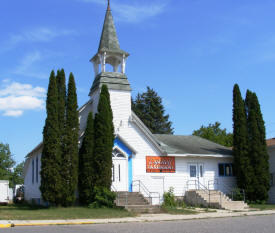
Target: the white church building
pixel 142 161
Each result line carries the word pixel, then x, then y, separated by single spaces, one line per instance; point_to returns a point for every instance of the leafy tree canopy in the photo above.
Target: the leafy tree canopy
pixel 17 175
pixel 6 162
pixel 214 133
pixel 8 170
pixel 149 108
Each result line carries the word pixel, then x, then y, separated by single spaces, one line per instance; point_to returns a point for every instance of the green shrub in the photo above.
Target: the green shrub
pixel 180 203
pixel 169 198
pixel 238 195
pixel 103 198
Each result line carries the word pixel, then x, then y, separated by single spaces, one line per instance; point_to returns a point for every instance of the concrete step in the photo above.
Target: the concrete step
pixel 124 202
pixel 150 209
pixel 217 200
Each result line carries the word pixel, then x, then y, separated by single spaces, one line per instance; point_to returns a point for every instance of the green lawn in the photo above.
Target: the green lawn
pixel 178 211
pixel 262 206
pixel 26 212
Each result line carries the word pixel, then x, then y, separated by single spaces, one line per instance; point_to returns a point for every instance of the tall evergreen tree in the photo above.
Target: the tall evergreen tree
pixel 70 156
pixel 243 169
pixel 61 87
pixel 257 147
pixel 149 108
pixel 104 139
pixel 86 174
pixel 51 183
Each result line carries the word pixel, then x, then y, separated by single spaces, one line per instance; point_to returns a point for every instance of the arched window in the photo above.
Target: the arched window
pixel 117 154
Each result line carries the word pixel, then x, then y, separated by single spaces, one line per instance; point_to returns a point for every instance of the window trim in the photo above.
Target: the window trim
pixel 224 169
pixel 36 171
pixel 32 171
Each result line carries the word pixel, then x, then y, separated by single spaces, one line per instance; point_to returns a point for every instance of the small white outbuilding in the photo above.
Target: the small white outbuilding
pixel 4 191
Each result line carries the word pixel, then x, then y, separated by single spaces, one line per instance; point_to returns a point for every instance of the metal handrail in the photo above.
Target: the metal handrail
pixel 145 189
pixel 200 186
pixel 229 190
pixel 213 182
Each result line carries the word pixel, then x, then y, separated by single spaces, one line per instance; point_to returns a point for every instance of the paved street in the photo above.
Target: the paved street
pixel 252 224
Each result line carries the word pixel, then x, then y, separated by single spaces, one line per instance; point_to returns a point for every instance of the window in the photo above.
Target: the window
pixel 193 170
pixel 117 154
pixel 36 169
pixel 113 173
pixel 201 170
pixel 32 171
pixel 119 172
pixel 272 179
pixel 226 169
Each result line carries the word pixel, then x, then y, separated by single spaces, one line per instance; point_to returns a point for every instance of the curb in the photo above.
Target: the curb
pixel 147 218
pixel 44 224
pixel 6 225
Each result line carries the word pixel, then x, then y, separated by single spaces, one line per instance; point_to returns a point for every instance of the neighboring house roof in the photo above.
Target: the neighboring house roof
pixel 183 145
pixel 270 142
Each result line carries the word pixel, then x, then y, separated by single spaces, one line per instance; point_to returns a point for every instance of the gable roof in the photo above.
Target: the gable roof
pixel 181 145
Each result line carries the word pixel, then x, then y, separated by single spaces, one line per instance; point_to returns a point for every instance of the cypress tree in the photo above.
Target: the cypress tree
pixel 70 156
pixel 242 165
pixel 61 87
pixel 257 147
pixel 104 139
pixel 51 184
pixel 86 164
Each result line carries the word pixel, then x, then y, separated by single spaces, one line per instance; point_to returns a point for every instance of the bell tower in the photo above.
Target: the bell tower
pixel 109 52
pixel 111 56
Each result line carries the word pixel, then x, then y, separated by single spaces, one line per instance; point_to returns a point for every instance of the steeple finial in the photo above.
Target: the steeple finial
pixel 109 8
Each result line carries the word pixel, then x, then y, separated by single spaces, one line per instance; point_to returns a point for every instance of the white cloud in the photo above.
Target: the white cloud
pixel 15 98
pixel 13 113
pixel 134 12
pixel 42 34
pixel 26 67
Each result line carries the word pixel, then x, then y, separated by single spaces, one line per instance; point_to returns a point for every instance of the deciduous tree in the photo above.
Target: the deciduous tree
pixel 214 133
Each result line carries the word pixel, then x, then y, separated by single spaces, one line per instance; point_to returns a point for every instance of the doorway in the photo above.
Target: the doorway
pixel 196 175
pixel 119 171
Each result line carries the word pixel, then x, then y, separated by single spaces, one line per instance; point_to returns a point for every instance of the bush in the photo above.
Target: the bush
pixel 169 198
pixel 238 194
pixel 103 198
pixel 180 203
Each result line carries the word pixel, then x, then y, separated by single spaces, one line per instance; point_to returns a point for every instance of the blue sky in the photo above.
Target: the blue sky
pixel 191 52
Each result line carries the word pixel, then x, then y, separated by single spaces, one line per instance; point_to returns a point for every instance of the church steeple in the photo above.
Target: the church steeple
pixel 109 52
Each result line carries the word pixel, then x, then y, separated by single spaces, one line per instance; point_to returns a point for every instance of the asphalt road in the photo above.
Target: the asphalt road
pixel 253 224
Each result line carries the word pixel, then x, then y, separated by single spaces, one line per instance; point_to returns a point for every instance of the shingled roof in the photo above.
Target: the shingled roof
pixel 109 41
pixel 178 144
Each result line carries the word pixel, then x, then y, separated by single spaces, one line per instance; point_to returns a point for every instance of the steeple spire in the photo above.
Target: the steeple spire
pixel 109 41
pixel 108 6
pixel 109 52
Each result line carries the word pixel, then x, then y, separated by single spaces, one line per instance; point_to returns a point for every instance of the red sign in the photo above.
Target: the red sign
pixel 157 164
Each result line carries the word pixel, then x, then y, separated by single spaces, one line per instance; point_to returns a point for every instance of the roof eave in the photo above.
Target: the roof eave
pixel 201 155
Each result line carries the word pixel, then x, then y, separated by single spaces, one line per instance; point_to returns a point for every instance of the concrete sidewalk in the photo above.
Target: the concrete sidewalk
pixel 141 218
